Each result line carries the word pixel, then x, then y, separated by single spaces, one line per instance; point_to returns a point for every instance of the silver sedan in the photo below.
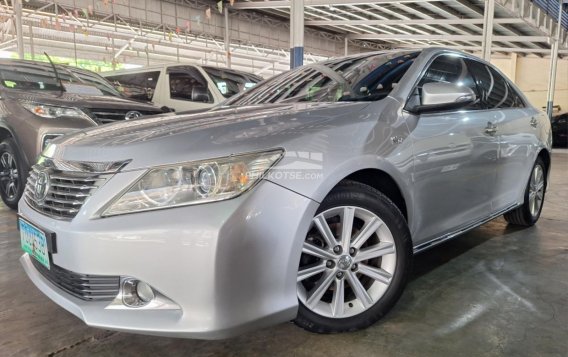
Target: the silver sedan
pixel 303 198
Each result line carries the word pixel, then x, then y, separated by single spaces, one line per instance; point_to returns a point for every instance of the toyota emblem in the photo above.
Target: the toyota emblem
pixel 41 186
pixel 132 115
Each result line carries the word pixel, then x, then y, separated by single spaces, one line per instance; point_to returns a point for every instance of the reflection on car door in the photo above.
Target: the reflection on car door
pixel 455 159
pixel 516 125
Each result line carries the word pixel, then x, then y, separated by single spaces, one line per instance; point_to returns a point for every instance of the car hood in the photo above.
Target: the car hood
pixel 82 101
pixel 216 133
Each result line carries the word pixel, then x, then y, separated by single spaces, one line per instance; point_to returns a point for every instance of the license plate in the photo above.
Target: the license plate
pixel 34 242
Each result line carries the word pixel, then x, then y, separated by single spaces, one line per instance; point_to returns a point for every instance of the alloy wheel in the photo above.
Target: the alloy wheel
pixel 536 190
pixel 347 264
pixel 9 177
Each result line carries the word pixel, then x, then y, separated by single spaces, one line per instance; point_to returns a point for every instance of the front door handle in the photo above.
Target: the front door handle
pixel 534 122
pixel 491 128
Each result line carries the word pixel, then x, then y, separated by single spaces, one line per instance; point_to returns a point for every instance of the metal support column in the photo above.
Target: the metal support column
pixel 227 38
pixel 488 13
pixel 19 28
pixel 32 49
pixel 553 65
pixel 513 67
pixel 296 33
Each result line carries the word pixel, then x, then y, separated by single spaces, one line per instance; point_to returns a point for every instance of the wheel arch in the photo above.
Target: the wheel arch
pixel 544 154
pixel 381 181
pixel 5 133
pixel 392 178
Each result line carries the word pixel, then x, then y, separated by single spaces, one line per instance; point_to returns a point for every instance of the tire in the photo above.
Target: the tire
pixel 351 261
pixel 12 173
pixel 527 215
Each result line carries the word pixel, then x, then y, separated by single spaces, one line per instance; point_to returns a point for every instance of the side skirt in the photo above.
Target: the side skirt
pixel 434 242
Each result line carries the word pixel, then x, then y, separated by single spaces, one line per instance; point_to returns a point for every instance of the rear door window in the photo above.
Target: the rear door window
pixel 140 86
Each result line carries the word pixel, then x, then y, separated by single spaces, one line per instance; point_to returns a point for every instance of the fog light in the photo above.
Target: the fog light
pixel 144 291
pixel 136 293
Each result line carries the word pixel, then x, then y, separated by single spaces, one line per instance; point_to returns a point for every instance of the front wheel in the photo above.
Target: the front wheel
pixel 529 213
pixel 355 261
pixel 12 173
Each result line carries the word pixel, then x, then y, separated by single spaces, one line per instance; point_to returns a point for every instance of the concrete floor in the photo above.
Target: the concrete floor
pixel 492 292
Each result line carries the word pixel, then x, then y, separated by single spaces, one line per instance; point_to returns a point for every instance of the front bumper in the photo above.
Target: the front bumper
pixel 230 266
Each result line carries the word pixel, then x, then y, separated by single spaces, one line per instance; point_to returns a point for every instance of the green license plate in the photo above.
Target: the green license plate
pixel 34 242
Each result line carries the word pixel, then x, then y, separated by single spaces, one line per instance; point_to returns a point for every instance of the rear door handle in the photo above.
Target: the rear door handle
pixel 491 128
pixel 534 122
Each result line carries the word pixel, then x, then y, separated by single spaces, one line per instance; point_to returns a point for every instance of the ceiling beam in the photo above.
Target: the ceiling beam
pixel 410 22
pixel 496 49
pixel 273 4
pixel 448 38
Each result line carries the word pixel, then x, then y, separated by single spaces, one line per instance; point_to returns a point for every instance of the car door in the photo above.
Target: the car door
pixel 187 89
pixel 516 127
pixel 455 157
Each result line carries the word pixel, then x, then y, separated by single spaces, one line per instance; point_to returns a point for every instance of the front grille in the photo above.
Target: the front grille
pixel 82 286
pixel 105 116
pixel 66 191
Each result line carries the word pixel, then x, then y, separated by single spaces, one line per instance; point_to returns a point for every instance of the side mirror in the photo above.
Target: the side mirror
pixel 200 93
pixel 444 96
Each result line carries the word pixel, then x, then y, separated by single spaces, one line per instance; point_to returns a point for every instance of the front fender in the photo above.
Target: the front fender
pixel 318 182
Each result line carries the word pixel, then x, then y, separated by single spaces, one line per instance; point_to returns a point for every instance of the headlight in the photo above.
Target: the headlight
pixel 194 182
pixel 53 112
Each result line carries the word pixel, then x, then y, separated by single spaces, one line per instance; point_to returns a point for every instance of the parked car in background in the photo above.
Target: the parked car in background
pixel 182 87
pixel 38 104
pixel 301 199
pixel 560 130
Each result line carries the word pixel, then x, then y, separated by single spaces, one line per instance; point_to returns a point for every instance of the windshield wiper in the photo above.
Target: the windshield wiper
pixel 57 78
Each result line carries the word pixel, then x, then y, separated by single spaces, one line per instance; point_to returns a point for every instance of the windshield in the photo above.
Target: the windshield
pixel 357 78
pixel 41 77
pixel 230 82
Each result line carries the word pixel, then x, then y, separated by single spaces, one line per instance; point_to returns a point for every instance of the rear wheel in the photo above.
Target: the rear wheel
pixel 12 174
pixel 355 261
pixel 529 213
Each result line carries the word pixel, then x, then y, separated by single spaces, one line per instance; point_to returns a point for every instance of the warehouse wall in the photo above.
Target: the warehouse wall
pixel 530 73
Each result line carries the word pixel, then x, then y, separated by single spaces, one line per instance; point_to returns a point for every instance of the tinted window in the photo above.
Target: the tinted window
pixel 230 82
pixel 139 86
pixel 516 99
pixel 496 92
pixel 358 78
pixel 447 69
pixel 187 83
pixel 483 78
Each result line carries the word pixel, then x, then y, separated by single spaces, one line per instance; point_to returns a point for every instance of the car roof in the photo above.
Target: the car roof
pixel 157 67
pixel 423 51
pixel 147 68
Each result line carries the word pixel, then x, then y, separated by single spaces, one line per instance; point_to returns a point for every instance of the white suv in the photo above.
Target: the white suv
pixel 182 87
